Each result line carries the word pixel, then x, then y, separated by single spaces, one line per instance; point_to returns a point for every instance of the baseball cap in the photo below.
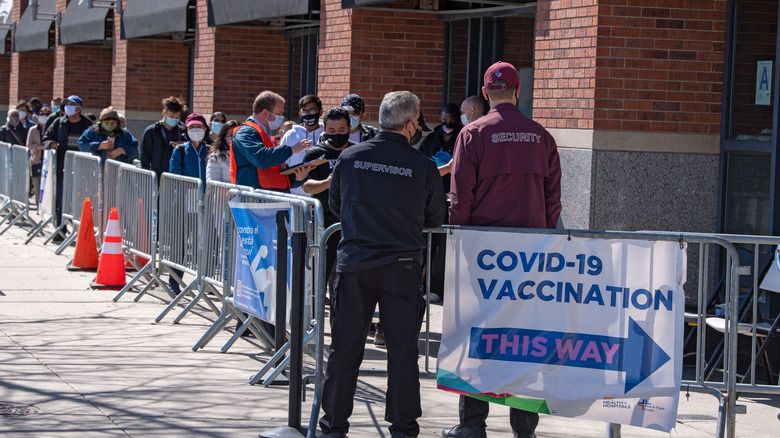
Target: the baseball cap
pixel 503 71
pixel 354 103
pixel 195 118
pixel 421 122
pixel 75 100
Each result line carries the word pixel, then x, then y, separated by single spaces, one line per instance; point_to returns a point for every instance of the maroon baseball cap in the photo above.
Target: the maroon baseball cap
pixel 503 71
pixel 195 118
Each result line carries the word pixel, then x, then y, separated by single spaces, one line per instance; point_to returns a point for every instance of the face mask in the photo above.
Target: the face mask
pixel 354 121
pixel 196 134
pixel 447 129
pixel 22 115
pixel 55 108
pixel 309 119
pixel 416 136
pixel 170 121
pixel 216 127
pixel 274 124
pixel 108 128
pixel 70 110
pixel 464 120
pixel 42 119
pixel 13 120
pixel 337 140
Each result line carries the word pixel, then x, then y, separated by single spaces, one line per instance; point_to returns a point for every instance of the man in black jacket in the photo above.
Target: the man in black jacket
pixel 162 136
pixel 384 192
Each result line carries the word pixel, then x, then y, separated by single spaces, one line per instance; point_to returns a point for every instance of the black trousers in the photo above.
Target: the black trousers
pixel 473 413
pixel 396 287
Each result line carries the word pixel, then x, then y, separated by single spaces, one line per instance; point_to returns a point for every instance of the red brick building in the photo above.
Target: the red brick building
pixel 660 116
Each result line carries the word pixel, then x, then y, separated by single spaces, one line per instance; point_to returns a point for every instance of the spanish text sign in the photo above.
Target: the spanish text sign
pixel 254 279
pixel 575 327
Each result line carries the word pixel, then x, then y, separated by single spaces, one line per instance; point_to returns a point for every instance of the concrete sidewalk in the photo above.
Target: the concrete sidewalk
pixel 74 363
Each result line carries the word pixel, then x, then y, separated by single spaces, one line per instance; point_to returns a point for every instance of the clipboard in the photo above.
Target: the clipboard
pixel 315 162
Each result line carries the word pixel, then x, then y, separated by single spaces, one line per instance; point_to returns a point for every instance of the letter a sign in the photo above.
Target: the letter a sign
pixel 764 83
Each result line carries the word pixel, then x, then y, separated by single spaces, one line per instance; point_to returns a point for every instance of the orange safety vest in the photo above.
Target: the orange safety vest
pixel 269 178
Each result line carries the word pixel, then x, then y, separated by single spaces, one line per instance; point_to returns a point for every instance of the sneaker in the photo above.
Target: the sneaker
pixel 379 337
pixel 59 238
pixel 464 432
pixel 435 298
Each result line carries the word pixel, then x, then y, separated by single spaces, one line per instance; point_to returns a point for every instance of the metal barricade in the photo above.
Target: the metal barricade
pixel 67 202
pixel 52 198
pixel 5 176
pixel 181 235
pixel 20 188
pixel 87 175
pixel 136 195
pixel 714 253
pixel 110 181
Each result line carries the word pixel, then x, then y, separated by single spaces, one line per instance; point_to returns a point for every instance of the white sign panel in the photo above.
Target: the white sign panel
pixel 764 83
pixel 584 328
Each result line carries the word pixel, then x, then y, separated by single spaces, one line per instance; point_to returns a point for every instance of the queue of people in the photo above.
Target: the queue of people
pixel 384 185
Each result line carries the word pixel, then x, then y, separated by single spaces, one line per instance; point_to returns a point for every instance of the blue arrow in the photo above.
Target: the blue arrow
pixel 637 355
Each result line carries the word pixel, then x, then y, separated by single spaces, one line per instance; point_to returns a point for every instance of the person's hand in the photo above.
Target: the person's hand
pixel 104 145
pixel 301 146
pixel 53 145
pixel 301 172
pixel 115 153
pixel 447 168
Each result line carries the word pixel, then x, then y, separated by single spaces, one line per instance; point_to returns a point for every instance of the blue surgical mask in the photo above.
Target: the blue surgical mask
pixel 354 121
pixel 55 108
pixel 170 121
pixel 216 127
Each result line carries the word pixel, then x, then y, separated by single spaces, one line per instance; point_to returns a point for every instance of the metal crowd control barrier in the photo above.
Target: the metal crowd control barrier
pixel 712 251
pixel 85 175
pixel 5 176
pixel 212 267
pixel 136 193
pixel 108 194
pixel 20 188
pixel 181 236
pixel 67 204
pixel 53 175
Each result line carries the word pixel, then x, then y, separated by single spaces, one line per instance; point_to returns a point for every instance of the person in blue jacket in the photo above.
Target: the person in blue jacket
pixel 108 140
pixel 189 158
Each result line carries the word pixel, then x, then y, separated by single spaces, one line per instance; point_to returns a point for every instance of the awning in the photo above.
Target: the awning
pixel 81 24
pixel 5 23
pixel 235 11
pixel 353 3
pixel 154 17
pixel 34 35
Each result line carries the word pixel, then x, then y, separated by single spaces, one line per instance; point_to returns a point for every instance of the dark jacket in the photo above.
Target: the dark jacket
pixel 367 132
pixel 322 172
pixel 434 143
pixel 10 133
pixel 59 131
pixel 505 173
pixel 156 148
pixel 384 192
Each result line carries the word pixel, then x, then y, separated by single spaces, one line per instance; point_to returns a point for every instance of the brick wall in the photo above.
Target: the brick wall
pixel 119 67
pixel 203 86
pixel 565 63
pixel 390 51
pixel 5 72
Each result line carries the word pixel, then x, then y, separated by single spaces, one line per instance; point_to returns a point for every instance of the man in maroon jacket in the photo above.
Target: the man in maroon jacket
pixel 506 173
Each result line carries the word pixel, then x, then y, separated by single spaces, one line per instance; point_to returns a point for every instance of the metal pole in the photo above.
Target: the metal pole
pixel 613 430
pixel 280 331
pixel 296 328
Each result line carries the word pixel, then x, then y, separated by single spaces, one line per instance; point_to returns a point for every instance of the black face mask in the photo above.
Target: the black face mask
pixel 416 136
pixel 337 140
pixel 309 119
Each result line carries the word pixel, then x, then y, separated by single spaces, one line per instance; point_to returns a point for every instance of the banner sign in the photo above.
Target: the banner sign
pixel 254 279
pixel 583 328
pixel 46 195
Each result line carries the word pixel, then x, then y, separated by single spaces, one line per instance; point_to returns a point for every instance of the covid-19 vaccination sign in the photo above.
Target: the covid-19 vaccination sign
pixel 573 327
pixel 254 279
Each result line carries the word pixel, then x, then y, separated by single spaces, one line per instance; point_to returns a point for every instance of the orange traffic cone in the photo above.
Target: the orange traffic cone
pixel 86 255
pixel 111 269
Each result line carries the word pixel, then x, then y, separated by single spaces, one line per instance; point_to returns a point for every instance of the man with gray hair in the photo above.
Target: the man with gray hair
pixel 384 192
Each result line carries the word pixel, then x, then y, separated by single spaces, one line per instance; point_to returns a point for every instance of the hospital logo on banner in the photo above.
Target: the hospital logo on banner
pixel 584 328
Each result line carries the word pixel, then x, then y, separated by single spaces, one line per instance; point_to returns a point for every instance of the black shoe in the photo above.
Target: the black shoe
pixel 400 435
pixel 333 435
pixel 58 238
pixel 175 288
pixel 464 432
pixel 531 435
